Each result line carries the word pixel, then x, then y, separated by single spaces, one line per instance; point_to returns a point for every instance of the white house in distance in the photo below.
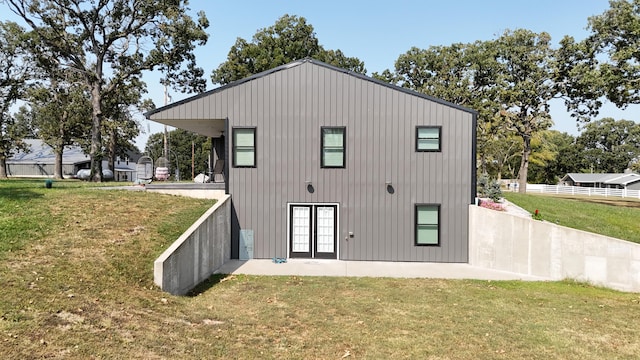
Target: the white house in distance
pixel 628 180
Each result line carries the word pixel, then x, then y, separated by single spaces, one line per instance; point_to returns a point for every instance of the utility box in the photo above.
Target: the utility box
pixel 246 245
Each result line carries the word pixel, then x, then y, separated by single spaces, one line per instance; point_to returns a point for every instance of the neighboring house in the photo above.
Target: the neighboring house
pixel 39 161
pixel 325 163
pixel 627 180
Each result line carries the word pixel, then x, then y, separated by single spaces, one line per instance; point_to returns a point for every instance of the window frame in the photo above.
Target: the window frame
pixel 416 224
pixel 234 147
pixel 439 127
pixel 344 147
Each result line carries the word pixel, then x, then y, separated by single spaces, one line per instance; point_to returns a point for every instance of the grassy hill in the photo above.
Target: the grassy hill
pixel 615 217
pixel 76 282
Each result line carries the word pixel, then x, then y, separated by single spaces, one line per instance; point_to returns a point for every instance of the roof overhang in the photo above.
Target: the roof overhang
pixel 206 127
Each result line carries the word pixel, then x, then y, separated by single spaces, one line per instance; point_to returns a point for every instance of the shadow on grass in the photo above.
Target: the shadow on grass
pixel 206 285
pixel 19 193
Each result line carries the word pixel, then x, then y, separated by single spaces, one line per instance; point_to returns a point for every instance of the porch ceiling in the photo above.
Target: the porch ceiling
pixel 206 127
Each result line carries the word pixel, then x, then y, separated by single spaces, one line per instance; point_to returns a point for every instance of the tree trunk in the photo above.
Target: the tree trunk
pixel 57 170
pixel 59 148
pixel 524 165
pixel 112 149
pixel 3 167
pixel 95 152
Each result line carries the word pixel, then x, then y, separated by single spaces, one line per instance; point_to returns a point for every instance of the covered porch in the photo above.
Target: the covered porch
pixel 215 130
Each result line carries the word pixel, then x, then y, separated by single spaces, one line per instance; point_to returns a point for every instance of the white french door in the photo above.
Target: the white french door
pixel 313 231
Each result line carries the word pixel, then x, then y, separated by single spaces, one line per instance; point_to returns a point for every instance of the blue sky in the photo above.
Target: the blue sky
pixel 377 32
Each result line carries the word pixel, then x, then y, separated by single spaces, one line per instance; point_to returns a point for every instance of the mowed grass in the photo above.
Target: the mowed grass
pixel 77 283
pixel 615 217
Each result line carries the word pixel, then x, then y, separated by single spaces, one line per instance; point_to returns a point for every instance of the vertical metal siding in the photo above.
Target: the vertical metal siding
pixel 288 107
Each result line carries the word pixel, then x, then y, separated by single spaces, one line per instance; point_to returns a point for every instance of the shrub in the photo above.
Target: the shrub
pixel 489 188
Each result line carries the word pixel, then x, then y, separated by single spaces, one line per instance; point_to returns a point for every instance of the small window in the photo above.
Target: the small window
pixel 333 147
pixel 244 147
pixel 428 138
pixel 427 224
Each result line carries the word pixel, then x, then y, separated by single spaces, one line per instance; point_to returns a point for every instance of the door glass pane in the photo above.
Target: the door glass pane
pixel 325 229
pixel 301 227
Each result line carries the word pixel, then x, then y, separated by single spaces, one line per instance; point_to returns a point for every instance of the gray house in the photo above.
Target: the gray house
pixel 325 163
pixel 39 161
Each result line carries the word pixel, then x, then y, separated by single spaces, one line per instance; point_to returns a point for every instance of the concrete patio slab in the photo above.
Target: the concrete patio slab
pixel 308 267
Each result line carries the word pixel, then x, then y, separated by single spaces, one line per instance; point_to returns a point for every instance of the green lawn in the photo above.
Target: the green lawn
pixel 615 217
pixel 76 280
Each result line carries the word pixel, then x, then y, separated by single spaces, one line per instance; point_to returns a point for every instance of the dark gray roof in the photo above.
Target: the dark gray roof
pixel 41 153
pixel 316 62
pixel 624 179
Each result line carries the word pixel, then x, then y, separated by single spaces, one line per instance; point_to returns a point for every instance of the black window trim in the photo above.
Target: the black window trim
pixel 344 147
pixel 415 224
pixel 439 127
pixel 255 146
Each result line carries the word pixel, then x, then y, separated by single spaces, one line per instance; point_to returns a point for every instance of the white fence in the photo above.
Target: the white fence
pixel 578 190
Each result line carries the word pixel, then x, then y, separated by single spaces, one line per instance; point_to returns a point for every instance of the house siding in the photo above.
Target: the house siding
pixel 288 109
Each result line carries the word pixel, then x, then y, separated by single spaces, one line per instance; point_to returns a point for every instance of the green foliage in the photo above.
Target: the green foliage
pixel 180 146
pixel 524 88
pixel 59 114
pixel 489 188
pixel 605 64
pixel 616 33
pixel 289 39
pixel 609 145
pixel 16 69
pixel 563 156
pixel 111 43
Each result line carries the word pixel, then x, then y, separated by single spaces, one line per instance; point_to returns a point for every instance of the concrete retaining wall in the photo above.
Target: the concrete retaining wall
pixel 196 193
pixel 507 242
pixel 198 253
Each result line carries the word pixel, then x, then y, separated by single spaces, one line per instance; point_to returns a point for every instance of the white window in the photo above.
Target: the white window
pixel 333 147
pixel 244 147
pixel 428 138
pixel 427 224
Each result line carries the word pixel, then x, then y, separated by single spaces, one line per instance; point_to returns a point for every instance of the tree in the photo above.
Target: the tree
pixel 16 69
pixel 180 143
pixel 525 88
pixel 289 39
pixel 563 156
pixel 605 64
pixel 57 114
pixel 119 127
pixel 610 146
pixel 110 43
pixel 616 33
